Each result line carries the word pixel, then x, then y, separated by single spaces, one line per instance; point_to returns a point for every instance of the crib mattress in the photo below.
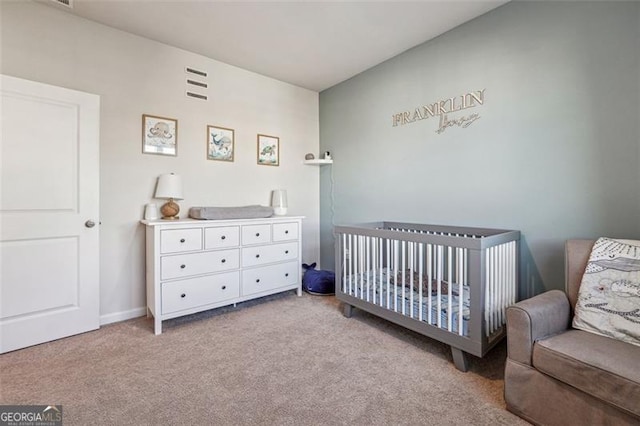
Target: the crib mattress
pixel 373 288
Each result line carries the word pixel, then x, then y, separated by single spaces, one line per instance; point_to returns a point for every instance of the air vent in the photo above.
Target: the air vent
pixel 196 95
pixel 197 83
pixel 194 71
pixel 65 3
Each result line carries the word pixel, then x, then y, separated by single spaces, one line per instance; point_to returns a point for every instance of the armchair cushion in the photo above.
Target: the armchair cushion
pixel 599 366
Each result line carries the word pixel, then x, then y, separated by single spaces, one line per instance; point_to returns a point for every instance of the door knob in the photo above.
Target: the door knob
pixel 89 224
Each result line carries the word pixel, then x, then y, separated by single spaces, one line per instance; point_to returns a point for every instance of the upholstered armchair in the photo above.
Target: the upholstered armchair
pixel 557 375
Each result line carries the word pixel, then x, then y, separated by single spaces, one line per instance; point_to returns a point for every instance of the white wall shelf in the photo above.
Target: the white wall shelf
pixel 317 162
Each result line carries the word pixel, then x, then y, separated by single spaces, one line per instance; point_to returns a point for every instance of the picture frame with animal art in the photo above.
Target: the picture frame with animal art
pixel 159 135
pixel 268 150
pixel 220 143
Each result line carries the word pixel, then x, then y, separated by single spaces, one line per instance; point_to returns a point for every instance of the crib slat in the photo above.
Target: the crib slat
pixel 459 275
pixel 496 288
pixel 380 269
pixel 494 279
pixel 344 263
pixel 367 266
pixel 487 300
pixel 503 284
pixel 374 269
pixel 403 268
pixel 492 290
pixel 351 264
pixel 388 271
pixel 430 281
pixel 439 266
pixel 409 285
pixel 513 273
pixel 361 265
pixel 395 275
pixel 420 280
pixel 354 265
pixel 449 290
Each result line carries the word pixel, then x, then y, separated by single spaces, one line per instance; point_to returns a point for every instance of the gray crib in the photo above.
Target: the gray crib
pixel 450 283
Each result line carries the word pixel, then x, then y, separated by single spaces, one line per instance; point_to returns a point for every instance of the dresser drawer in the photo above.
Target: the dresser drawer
pixel 261 255
pixel 180 240
pixel 256 234
pixel 222 237
pixel 194 292
pixel 266 278
pixel 184 265
pixel 285 231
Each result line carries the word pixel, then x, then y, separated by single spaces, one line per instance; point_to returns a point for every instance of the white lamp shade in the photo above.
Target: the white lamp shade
pixel 279 201
pixel 169 186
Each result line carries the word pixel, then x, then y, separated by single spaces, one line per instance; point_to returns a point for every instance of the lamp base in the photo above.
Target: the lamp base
pixel 280 211
pixel 170 210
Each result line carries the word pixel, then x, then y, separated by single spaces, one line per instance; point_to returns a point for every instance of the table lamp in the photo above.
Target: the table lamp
pixel 279 202
pixel 169 188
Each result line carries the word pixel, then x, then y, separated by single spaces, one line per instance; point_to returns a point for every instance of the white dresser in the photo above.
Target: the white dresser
pixel 195 265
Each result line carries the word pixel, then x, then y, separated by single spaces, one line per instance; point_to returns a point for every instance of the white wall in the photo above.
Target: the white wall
pixel 136 76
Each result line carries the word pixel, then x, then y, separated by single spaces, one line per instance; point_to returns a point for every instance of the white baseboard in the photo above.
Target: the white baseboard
pixel 122 316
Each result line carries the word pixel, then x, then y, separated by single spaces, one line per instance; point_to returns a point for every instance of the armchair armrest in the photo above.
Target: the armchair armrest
pixel 533 319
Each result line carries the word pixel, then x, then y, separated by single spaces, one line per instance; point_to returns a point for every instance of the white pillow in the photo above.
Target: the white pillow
pixel 609 296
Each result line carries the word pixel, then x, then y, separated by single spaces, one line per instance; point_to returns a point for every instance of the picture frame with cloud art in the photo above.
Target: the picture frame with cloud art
pixel 220 143
pixel 159 135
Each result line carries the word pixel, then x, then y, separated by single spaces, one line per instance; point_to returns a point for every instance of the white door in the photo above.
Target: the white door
pixel 49 192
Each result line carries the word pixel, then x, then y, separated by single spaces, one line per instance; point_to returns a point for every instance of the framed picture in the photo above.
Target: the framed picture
pixel 220 143
pixel 159 135
pixel 268 150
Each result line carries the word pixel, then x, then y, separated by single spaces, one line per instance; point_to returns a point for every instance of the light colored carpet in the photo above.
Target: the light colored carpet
pixel 286 360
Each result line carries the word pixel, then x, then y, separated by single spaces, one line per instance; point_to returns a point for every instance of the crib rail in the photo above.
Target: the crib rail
pixel 456 279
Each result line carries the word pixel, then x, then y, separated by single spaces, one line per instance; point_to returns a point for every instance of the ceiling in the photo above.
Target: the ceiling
pixel 312 44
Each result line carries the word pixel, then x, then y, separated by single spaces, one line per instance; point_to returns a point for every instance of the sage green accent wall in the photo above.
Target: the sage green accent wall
pixel 555 154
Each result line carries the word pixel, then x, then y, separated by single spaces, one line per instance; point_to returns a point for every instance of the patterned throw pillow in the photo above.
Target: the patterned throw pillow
pixel 609 296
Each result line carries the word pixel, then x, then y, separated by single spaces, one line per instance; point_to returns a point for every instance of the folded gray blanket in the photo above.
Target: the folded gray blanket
pixel 219 213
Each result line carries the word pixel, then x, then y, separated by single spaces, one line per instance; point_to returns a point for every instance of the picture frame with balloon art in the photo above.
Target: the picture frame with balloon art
pixel 159 135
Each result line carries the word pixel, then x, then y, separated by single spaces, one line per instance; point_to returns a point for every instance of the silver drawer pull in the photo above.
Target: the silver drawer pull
pixel 182 240
pixel 183 295
pixel 183 266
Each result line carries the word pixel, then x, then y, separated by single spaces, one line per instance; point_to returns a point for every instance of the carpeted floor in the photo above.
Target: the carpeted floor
pixel 283 360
